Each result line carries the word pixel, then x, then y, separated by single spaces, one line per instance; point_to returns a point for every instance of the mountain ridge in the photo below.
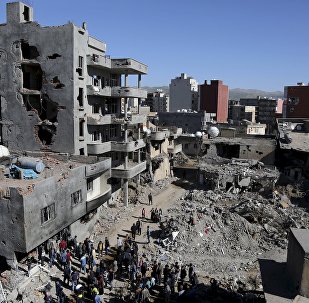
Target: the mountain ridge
pixel 234 93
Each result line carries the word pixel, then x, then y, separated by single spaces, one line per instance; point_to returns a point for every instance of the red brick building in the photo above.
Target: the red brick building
pixel 297 105
pixel 214 99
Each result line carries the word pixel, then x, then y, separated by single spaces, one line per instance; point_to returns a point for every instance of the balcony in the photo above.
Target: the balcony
pixel 98 91
pixel 98 201
pixel 102 62
pixel 98 167
pixel 97 44
pixel 128 92
pixel 132 119
pixel 177 148
pixel 159 135
pixel 97 148
pixel 98 119
pixel 131 171
pixel 128 66
pixel 127 146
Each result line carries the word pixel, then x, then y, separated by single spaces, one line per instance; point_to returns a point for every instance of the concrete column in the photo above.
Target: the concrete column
pixel 126 80
pixel 126 135
pixel 139 81
pixel 125 189
pixel 139 132
pixel 139 156
pixel 125 108
pixel 126 158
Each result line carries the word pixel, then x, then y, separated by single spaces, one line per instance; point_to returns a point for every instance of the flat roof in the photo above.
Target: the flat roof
pixel 302 237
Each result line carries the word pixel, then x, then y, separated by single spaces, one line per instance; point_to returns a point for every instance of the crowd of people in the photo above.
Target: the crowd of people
pixel 88 271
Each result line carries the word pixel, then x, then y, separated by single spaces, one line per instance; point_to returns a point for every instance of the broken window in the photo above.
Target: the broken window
pixel 57 84
pixel 76 197
pixel 28 52
pixel 80 97
pixel 82 151
pixel 80 69
pixel 54 56
pixel 32 77
pixel 48 213
pixel 89 185
pixel 95 58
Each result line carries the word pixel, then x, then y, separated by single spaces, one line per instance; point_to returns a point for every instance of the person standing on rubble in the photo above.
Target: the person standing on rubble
pixel 107 245
pixel 143 213
pixel 148 234
pixel 133 231
pixel 150 199
pixel 138 225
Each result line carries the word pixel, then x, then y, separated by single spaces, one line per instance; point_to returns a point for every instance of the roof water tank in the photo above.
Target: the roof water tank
pixel 4 152
pixel 27 162
pixel 213 131
pixel 198 134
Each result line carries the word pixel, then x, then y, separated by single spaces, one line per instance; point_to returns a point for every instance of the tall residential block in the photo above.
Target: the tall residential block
pixel 183 93
pixel 158 101
pixel 214 99
pixel 297 104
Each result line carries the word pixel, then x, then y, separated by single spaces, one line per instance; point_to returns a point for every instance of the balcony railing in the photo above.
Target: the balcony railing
pixel 98 91
pixel 97 148
pixel 98 119
pixel 159 135
pixel 131 119
pixel 131 171
pixel 129 66
pixel 128 92
pixel 127 146
pixel 102 62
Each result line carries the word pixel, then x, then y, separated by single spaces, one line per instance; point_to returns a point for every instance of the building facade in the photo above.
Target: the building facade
pixel 297 100
pixel 214 99
pixel 183 93
pixel 68 97
pixel 158 101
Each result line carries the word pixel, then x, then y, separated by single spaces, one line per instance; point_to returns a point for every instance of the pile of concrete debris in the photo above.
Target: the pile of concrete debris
pixel 225 234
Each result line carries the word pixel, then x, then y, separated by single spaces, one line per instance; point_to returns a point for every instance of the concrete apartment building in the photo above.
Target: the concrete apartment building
pixel 158 101
pixel 61 93
pixel 214 99
pixel 183 93
pixel 241 112
pixel 68 97
pixel 297 100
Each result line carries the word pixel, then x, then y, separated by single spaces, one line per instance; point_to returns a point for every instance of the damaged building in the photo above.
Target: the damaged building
pixel 68 97
pixel 43 193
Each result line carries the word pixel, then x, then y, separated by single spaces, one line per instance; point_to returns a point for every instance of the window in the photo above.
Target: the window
pixel 96 109
pixel 81 127
pixel 112 131
pixel 96 136
pixel 80 97
pixel 26 13
pixel 80 66
pixel 95 58
pixel 76 197
pixel 48 213
pixel 89 185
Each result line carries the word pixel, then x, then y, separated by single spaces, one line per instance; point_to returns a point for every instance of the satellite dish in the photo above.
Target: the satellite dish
pixel 198 134
pixel 213 132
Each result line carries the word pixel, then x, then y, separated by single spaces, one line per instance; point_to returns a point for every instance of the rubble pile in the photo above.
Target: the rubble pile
pixel 225 234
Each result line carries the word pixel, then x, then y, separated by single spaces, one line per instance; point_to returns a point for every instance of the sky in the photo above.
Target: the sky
pixel 259 44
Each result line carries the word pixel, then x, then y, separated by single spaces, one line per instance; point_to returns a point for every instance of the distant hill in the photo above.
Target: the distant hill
pixel 235 93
